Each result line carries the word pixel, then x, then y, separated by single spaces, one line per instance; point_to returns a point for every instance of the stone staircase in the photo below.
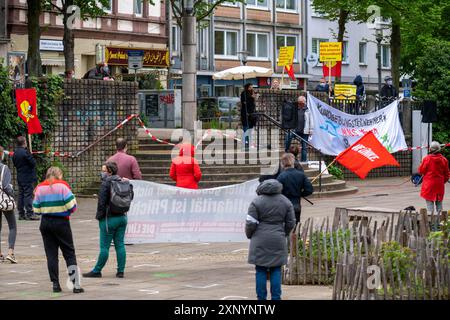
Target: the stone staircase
pixel 155 159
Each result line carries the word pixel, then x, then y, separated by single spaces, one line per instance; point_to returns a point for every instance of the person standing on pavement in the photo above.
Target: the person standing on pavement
pixel 435 172
pixel 6 187
pixel 305 127
pixel 270 220
pixel 127 165
pixel 248 108
pixel 112 226
pixel 185 170
pixel 26 179
pixel 54 200
pixel 295 183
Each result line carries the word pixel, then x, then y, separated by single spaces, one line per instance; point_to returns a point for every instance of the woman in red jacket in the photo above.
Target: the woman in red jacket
pixel 435 172
pixel 185 169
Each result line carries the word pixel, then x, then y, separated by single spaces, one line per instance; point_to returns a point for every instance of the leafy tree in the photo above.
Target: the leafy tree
pixel 68 8
pixel 432 72
pixel 34 35
pixel 341 11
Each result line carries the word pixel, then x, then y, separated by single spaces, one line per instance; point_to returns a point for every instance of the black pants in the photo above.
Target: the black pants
pixel 56 233
pixel 297 212
pixel 25 203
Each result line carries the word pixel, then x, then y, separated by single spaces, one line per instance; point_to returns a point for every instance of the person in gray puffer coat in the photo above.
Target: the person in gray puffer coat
pixel 269 221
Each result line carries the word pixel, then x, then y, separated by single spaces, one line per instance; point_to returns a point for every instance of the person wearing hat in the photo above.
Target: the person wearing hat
pixel 435 172
pixel 388 90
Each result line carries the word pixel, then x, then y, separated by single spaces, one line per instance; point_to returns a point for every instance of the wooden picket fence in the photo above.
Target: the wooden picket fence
pixel 401 256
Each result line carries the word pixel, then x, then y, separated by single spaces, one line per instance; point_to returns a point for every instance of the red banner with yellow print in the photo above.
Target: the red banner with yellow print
pixel 27 109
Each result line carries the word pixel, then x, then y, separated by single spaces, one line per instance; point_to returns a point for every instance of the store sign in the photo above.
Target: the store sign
pixel 51 45
pixel 115 56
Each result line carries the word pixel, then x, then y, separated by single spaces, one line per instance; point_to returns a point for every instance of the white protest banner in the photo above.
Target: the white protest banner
pixel 335 131
pixel 163 213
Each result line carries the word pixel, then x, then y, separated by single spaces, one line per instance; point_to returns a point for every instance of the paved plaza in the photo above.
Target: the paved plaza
pixel 171 270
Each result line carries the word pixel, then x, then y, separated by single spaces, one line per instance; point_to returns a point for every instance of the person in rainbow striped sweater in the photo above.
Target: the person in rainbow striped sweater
pixel 54 200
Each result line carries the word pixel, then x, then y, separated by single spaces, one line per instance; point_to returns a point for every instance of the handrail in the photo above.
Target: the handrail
pixel 276 123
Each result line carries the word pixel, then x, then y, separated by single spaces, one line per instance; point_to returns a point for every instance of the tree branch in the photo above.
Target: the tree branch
pixel 207 13
pixel 176 12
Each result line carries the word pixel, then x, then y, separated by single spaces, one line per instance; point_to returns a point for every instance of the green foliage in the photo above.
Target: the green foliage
pixel 400 258
pixel 88 8
pixel 433 76
pixel 336 172
pixel 149 81
pixel 49 94
pixel 11 125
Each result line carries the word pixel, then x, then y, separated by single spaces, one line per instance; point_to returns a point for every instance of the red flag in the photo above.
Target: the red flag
pixel 290 71
pixel 366 154
pixel 336 68
pixel 27 109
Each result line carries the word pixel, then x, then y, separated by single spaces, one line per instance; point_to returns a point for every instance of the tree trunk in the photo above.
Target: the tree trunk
pixel 395 47
pixel 34 35
pixel 68 39
pixel 342 21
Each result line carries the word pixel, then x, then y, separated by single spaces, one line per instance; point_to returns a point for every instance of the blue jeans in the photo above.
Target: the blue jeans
pixel 275 282
pixel 304 152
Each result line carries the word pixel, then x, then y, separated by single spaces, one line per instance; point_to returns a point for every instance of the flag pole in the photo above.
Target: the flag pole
pixel 316 177
pixel 329 79
pixel 29 141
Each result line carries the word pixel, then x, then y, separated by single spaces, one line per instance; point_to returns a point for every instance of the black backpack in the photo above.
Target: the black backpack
pixel 121 196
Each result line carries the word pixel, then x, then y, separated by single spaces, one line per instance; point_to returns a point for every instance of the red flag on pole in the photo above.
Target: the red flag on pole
pixel 290 71
pixel 366 154
pixel 336 68
pixel 27 109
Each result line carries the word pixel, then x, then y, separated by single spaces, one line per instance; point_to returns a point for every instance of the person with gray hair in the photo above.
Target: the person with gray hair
pixel 6 188
pixel 304 129
pixel 435 174
pixel 295 183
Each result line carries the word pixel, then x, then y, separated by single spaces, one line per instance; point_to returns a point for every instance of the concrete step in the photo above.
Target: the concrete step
pixel 167 154
pixel 334 193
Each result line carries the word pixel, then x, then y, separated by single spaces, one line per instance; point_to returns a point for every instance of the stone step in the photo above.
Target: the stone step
pixel 162 155
pixel 334 193
pixel 242 177
pixel 223 169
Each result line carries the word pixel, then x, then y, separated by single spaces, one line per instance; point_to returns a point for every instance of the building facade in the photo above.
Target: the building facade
pixel 359 49
pixel 260 28
pixel 127 25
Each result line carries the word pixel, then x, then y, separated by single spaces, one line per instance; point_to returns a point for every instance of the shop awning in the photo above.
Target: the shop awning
pixel 53 62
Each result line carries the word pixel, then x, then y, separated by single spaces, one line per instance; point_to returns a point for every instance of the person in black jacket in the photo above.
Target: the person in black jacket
pixel 26 179
pixel 388 91
pixel 295 183
pixel 248 107
pixel 112 226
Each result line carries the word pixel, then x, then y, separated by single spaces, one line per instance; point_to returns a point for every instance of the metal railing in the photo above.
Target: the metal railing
pixel 294 135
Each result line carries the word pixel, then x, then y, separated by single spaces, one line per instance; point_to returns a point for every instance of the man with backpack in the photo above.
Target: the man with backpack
pixel 114 201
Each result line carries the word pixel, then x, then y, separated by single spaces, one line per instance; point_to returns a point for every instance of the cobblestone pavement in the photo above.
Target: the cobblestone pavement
pixel 171 270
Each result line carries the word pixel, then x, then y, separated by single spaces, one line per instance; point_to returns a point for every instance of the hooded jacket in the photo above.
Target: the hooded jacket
pixel 269 221
pixel 185 170
pixel 6 180
pixel 360 90
pixel 434 168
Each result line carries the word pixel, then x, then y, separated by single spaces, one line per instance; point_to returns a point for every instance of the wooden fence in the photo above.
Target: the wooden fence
pixel 402 256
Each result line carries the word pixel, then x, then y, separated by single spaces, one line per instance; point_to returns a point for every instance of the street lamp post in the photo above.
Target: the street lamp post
pixel 379 38
pixel 243 57
pixel 189 78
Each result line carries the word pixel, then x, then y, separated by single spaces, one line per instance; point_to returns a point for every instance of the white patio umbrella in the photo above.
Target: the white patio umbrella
pixel 242 72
